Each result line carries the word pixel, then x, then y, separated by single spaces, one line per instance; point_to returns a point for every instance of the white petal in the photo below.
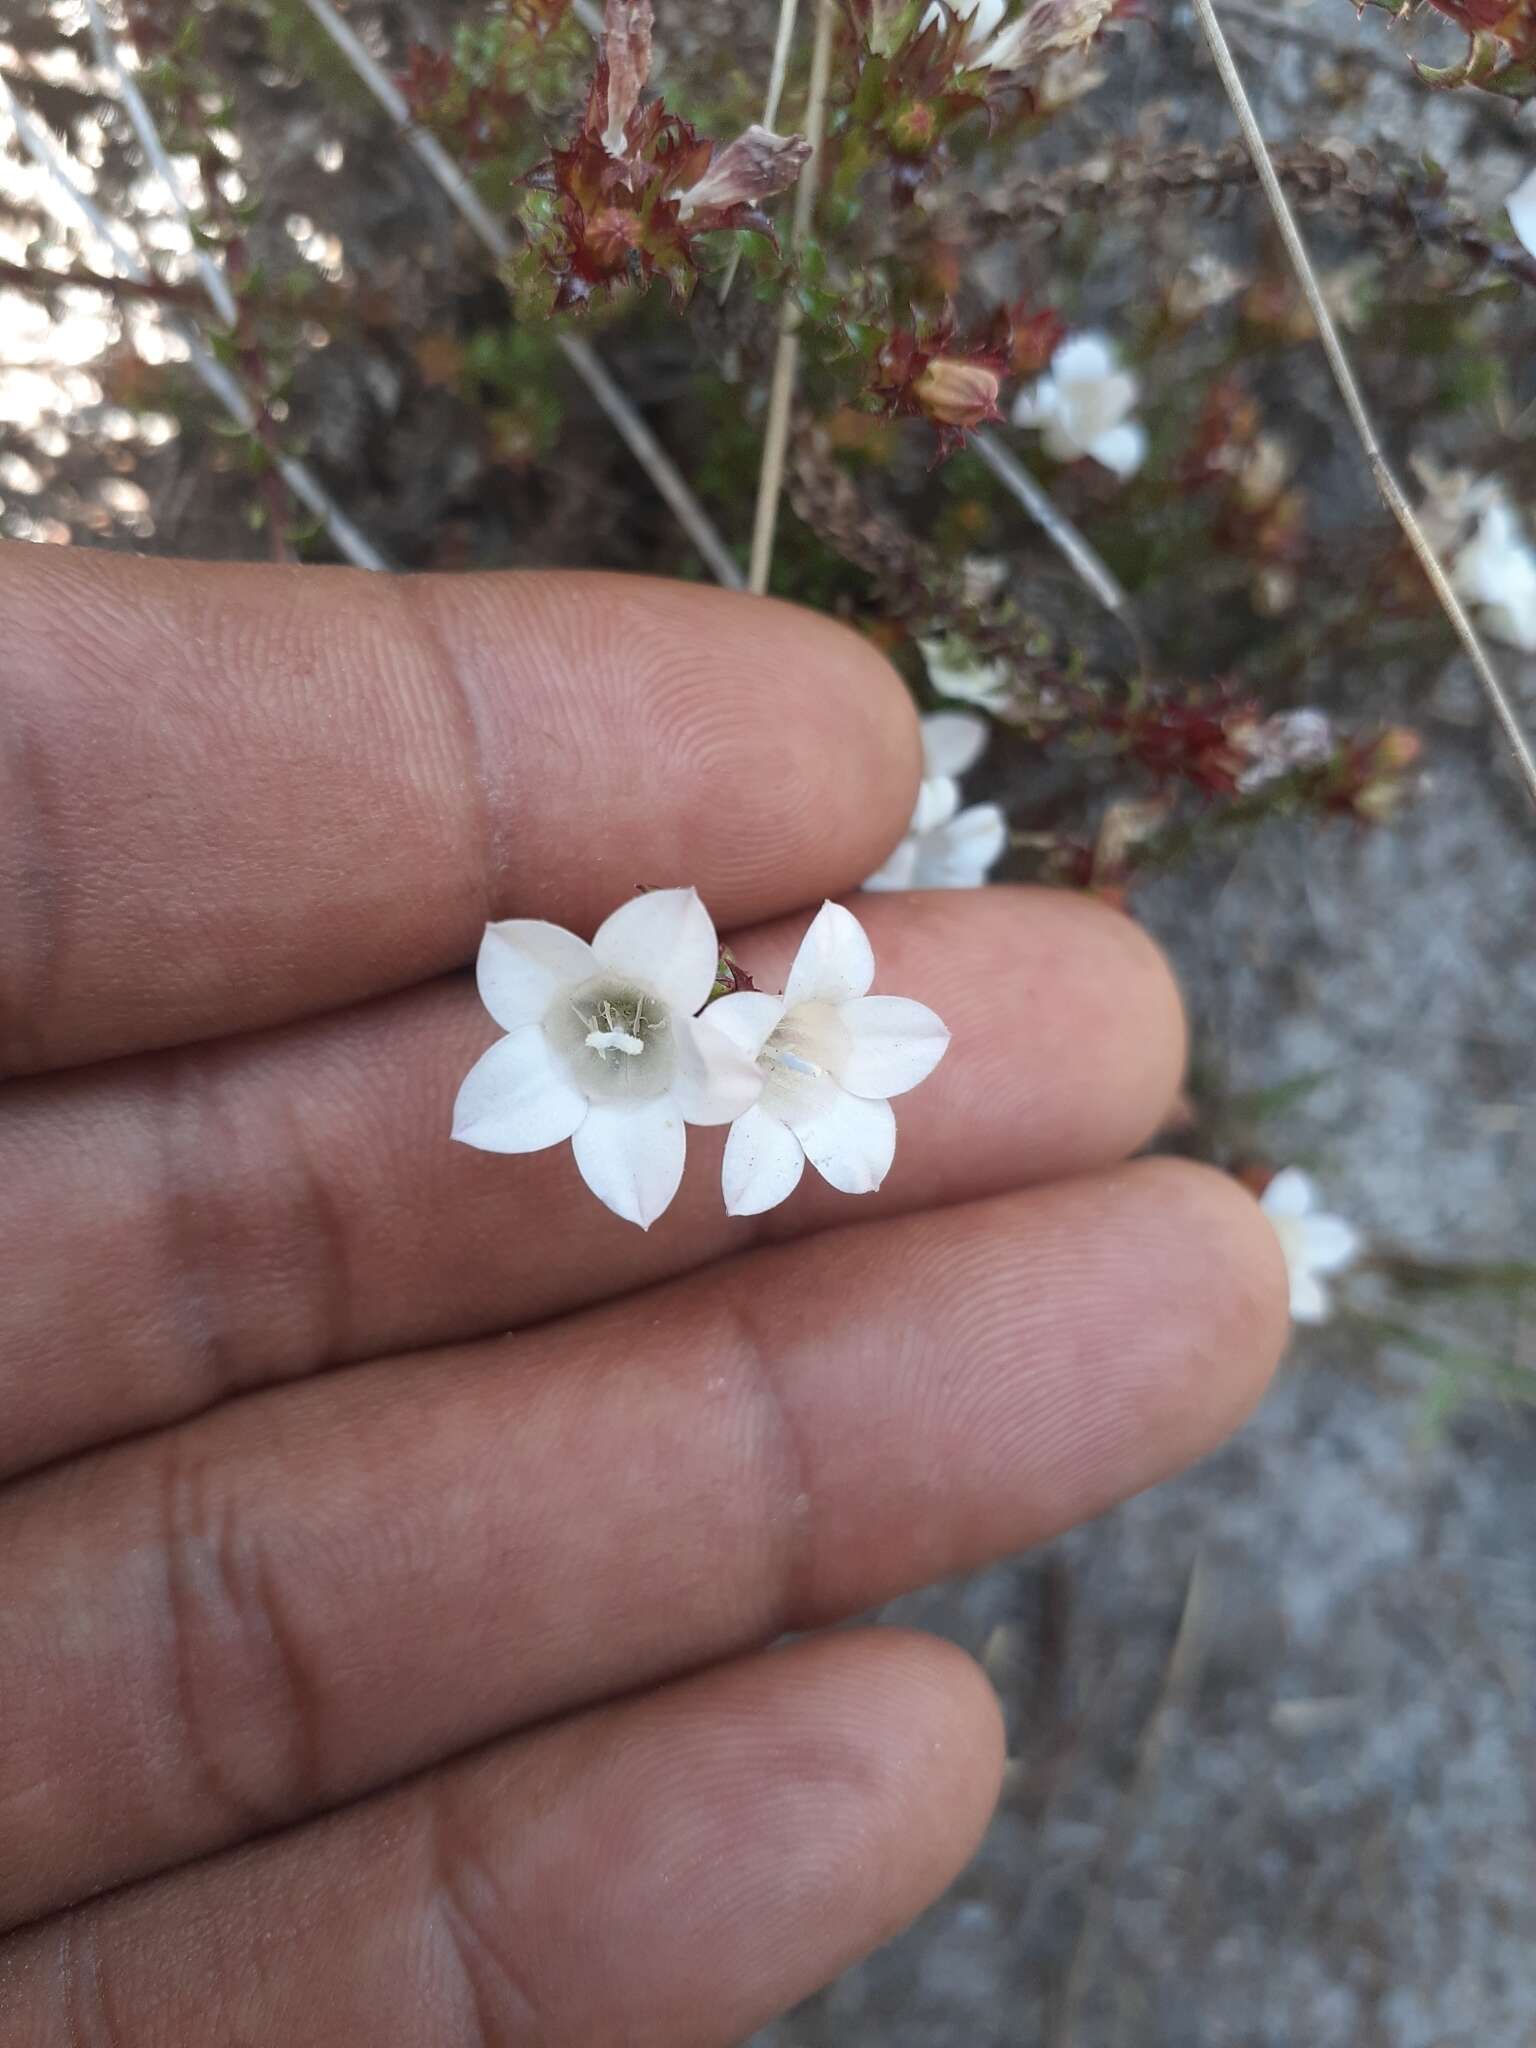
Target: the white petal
pixel 523 965
pixel 989 683
pixel 1122 449
pixel 960 853
pixel 898 871
pixel 1309 1298
pixel 517 1097
pixel 896 1044
pixel 849 1141
pixel 1060 443
pixel 1522 210
pixel 1037 403
pixel 666 941
pixel 1084 359
pixel 714 1079
pixel 1328 1243
pixel 1290 1193
pixel 952 742
pixel 762 1165
pixel 632 1158
pixel 747 1018
pixel 834 963
pixel 938 799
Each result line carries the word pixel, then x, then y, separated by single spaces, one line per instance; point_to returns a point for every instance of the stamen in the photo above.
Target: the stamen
pixel 793 1061
pixel 615 1041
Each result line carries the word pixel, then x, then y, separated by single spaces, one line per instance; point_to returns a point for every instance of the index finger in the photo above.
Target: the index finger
pixel 233 795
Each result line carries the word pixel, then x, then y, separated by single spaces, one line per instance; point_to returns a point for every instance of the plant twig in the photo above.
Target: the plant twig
pixel 778 70
pixel 109 57
pixel 1354 404
pixel 1058 529
pixel 31 277
pixel 305 486
pixel 781 393
pixel 583 359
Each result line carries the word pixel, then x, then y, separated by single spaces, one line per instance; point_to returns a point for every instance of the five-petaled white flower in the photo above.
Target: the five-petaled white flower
pixel 1521 207
pixel 830 1055
pixel 1082 406
pixel 1496 568
pixel 1315 1243
pixel 956 670
pixel 604 1047
pixel 945 847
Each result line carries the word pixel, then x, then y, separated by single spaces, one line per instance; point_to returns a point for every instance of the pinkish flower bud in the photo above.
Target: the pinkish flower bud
pixel 957 394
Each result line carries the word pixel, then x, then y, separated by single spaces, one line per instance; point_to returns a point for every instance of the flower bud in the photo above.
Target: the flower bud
pixel 957 394
pixel 912 128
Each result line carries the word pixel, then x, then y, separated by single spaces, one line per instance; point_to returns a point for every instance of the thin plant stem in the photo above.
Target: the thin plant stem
pixel 583 359
pixel 220 297
pixel 1392 492
pixel 778 71
pixel 786 361
pixel 305 486
pixel 1058 529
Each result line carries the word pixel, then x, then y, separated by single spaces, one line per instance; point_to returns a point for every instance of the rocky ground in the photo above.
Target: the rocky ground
pixel 1275 1724
pixel 1276 1777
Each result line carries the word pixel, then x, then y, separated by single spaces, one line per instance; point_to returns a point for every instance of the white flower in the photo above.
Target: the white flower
pixel 945 847
pixel 1496 568
pixel 955 670
pixel 1287 740
pixel 983 16
pixel 604 1048
pixel 830 1055
pixel 1048 28
pixel 1082 406
pixel 1521 206
pixel 1314 1242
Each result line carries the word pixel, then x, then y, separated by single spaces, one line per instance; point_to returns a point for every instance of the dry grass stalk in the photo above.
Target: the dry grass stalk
pixel 786 361
pixel 1392 492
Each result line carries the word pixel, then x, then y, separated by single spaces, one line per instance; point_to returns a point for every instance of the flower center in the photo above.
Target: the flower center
pixel 616 1041
pixel 804 1053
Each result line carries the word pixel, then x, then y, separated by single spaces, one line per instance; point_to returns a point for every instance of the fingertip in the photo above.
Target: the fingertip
pixel 909 1756
pixel 1130 1019
pixel 1227 1349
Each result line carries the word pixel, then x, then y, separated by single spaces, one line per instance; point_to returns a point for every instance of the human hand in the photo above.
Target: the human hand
pixel 390 1537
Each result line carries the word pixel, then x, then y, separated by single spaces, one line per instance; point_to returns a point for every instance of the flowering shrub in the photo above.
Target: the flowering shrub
pixel 1053 425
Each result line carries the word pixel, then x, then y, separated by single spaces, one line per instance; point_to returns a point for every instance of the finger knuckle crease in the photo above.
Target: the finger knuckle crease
pixel 84 2002
pixel 787 1457
pixel 33 877
pixel 246 1706
pixel 466 1903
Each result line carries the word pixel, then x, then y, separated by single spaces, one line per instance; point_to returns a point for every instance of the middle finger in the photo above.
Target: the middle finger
pixel 198 1223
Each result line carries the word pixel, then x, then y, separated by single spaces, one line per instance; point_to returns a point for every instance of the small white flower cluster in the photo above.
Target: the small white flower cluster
pixel 617 1046
pixel 1083 405
pixel 1316 1244
pixel 946 847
